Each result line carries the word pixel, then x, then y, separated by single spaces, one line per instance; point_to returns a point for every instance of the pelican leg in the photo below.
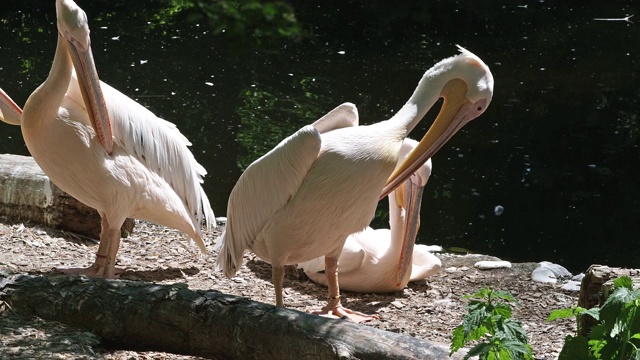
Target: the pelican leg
pixel 277 277
pixel 334 308
pixel 110 270
pixel 99 267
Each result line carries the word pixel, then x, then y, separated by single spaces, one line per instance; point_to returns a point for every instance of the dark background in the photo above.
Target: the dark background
pixel 557 148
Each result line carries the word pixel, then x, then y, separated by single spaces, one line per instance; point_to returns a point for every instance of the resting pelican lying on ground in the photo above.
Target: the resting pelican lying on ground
pixel 108 151
pixel 370 259
pixel 304 198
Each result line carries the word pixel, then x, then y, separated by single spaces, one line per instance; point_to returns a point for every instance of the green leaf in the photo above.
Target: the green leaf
pixel 476 305
pixel 593 312
pixel 489 317
pixel 457 339
pixel 499 353
pixel 597 332
pixel 517 349
pixel 512 330
pixel 504 295
pixel 623 321
pixel 596 346
pixel 477 333
pixel 480 350
pixel 611 349
pixel 482 294
pixel 623 282
pixel 473 321
pixel 613 307
pixel 503 310
pixel 561 314
pixel 575 348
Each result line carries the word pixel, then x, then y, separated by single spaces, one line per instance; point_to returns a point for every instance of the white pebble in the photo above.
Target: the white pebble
pixel 488 264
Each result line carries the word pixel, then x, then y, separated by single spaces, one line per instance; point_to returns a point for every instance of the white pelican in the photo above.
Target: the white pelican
pixel 370 259
pixel 108 151
pixel 304 197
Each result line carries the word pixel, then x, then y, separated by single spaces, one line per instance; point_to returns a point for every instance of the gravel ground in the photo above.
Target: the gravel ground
pixel 427 309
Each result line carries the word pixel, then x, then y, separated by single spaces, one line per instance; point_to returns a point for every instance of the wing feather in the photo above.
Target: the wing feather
pixel 344 115
pixel 264 188
pixel 270 182
pixel 159 145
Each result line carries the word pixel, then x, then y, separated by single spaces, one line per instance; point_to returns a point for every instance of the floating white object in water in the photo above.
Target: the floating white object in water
pixel 498 210
pixel 489 264
pixel 221 219
pixel 549 273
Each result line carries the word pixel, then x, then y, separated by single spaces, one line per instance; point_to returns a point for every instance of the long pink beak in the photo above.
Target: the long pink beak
pixel 412 202
pixel 91 92
pixel 10 112
pixel 454 114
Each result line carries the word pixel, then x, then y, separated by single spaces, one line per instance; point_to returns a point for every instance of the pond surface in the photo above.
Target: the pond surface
pixel 549 172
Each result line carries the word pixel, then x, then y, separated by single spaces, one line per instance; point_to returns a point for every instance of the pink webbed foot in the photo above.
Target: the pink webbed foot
pixel 96 270
pixel 334 309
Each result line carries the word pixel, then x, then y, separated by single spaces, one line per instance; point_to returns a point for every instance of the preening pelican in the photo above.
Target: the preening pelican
pixel 371 259
pixel 108 151
pixel 304 197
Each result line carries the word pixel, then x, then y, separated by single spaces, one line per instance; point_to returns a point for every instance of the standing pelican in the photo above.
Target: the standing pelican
pixel 108 151
pixel 370 260
pixel 304 197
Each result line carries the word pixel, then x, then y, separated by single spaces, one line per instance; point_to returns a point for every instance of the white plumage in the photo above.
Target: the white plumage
pixel 108 151
pixel 303 198
pixel 369 259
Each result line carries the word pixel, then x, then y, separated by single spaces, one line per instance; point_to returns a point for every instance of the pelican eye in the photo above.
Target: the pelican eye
pixel 479 108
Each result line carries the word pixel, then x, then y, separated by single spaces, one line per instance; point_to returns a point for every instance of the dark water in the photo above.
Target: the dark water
pixel 557 149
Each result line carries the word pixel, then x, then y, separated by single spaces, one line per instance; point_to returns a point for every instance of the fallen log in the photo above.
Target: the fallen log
pixel 596 286
pixel 27 194
pixel 172 318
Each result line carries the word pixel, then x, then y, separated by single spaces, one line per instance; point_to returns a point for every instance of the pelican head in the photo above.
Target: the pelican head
pixel 466 85
pixel 73 26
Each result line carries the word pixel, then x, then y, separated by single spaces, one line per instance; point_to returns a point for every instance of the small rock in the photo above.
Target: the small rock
pixel 397 304
pixel 571 285
pixel 578 277
pixel 488 264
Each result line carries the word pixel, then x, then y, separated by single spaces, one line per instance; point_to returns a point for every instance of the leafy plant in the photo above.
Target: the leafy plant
pixel 617 335
pixel 489 317
pixel 243 20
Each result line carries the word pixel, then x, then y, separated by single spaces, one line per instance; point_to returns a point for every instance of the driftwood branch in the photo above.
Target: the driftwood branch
pixel 172 318
pixel 27 194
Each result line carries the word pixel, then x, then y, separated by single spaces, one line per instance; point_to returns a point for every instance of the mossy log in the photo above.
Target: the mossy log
pixel 596 286
pixel 27 194
pixel 172 318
